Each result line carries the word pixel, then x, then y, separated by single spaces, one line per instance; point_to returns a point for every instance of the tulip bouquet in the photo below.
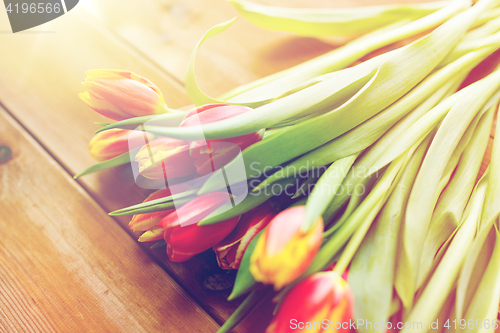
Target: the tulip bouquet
pixel 349 187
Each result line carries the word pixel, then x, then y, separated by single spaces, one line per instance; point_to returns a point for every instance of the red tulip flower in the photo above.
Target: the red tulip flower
pixel 115 142
pixel 121 95
pixel 323 302
pixel 231 250
pixel 211 155
pixel 184 237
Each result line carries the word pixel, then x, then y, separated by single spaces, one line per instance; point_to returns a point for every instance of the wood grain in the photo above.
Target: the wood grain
pixel 65 266
pixel 154 38
pixel 39 85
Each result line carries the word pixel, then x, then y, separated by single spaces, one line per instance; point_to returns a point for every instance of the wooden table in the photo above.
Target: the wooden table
pixel 65 265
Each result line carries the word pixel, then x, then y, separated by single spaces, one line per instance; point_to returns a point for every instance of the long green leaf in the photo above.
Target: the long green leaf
pixel 280 84
pixel 428 93
pixel 443 279
pixel 297 140
pixel 492 205
pixel 373 202
pixel 453 200
pixel 245 282
pixel 168 119
pixel 473 269
pixel 330 22
pixel 245 309
pixel 326 188
pixel 119 160
pixel 155 205
pixel 484 305
pixel 251 200
pixel 275 85
pixel 384 89
pixel 424 194
pixel 371 273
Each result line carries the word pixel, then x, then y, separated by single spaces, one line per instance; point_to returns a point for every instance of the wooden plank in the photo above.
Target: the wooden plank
pixel 40 82
pixel 65 266
pixel 40 76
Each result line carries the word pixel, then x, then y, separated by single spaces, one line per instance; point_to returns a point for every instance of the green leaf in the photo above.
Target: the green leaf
pixel 167 119
pixel 424 195
pixel 321 94
pixel 158 245
pixel 304 188
pixel 119 160
pixel 371 274
pixel 443 279
pixel 453 199
pixel 326 189
pixel 282 83
pixel 492 206
pixel 417 102
pixel 390 179
pixel 324 22
pixel 249 304
pixel 251 200
pixel 194 92
pixel 156 205
pixel 366 211
pixel 484 304
pixel 382 90
pixel 473 269
pixel 356 188
pixel 245 282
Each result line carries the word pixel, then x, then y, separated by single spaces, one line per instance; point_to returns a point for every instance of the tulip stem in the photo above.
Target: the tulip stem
pixel 245 309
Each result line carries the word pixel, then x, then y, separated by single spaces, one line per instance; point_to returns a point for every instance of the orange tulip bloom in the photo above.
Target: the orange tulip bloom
pixel 121 94
pixel 284 251
pixel 115 142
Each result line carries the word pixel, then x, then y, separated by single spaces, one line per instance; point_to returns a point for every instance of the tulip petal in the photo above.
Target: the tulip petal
pixel 151 235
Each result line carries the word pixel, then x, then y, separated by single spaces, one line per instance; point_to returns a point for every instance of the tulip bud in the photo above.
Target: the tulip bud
pixel 115 142
pixel 121 95
pixel 165 158
pixel 211 155
pixel 151 235
pixel 231 250
pixel 143 222
pixel 284 251
pixel 323 298
pixel 184 237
